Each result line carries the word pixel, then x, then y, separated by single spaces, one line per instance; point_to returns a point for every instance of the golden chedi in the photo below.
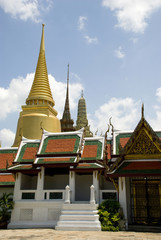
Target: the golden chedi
pixel 38 113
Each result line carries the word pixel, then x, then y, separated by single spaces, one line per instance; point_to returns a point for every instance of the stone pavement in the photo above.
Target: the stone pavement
pixel 47 234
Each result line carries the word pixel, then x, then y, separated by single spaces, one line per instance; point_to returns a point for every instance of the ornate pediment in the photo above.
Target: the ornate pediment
pixel 143 144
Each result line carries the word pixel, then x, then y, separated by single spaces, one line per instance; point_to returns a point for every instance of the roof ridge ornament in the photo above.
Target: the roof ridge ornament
pixel 142 111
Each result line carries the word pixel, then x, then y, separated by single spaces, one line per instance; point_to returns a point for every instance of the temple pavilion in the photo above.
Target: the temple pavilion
pixel 59 172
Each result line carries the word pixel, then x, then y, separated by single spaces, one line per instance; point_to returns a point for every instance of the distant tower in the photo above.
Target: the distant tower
pixel 82 117
pixel 66 121
pixel 38 112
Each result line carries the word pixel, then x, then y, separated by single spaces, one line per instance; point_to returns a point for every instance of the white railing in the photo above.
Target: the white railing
pixel 108 192
pixel 27 194
pixel 58 194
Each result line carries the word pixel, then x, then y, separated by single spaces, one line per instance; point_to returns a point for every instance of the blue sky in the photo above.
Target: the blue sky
pixel 113 48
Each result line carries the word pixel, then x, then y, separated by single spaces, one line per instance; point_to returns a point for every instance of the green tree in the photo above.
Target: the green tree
pixel 6 205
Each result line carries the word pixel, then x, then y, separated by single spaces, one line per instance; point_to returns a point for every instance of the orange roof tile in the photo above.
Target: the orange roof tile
pixel 90 151
pixel 56 159
pixel 143 165
pixel 60 145
pixel 123 141
pixel 6 157
pixel 7 178
pixel 30 153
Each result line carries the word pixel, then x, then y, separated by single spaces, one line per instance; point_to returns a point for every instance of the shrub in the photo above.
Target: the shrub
pixel 109 215
pixel 6 205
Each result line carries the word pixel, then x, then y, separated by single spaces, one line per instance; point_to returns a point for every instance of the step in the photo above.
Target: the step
pixel 64 228
pixel 80 206
pixel 78 223
pixel 78 217
pixel 79 212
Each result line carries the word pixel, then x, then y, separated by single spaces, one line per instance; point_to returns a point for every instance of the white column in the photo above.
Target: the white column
pixel 67 194
pixel 96 185
pixel 17 187
pixel 92 195
pixel 40 185
pixel 72 185
pixel 122 198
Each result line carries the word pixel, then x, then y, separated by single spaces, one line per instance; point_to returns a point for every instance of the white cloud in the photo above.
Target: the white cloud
pixel 124 112
pixel 132 15
pixel 134 40
pixel 14 96
pixel 90 40
pixel 6 137
pixel 26 9
pixel 156 123
pixel 81 22
pixel 119 53
pixel 158 94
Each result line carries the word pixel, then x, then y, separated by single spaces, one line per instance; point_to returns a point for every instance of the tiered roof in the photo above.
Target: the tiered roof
pixel 7 156
pixel 139 152
pixel 66 149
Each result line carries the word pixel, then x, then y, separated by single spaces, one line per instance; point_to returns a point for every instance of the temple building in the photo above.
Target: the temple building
pixel 135 168
pixel 59 176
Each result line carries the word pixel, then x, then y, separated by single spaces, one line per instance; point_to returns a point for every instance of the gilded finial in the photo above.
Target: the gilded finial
pixel 82 93
pixel 42 45
pixel 142 110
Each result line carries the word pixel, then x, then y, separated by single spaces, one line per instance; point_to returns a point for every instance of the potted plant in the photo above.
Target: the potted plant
pixel 6 205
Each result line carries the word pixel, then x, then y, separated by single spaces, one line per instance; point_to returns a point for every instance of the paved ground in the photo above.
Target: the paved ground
pixel 41 234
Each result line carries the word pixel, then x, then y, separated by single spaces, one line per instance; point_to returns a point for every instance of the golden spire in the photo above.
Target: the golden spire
pixel 40 92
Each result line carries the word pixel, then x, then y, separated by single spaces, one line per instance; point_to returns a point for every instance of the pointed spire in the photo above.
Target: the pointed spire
pixel 40 92
pixel 142 111
pixel 66 121
pixel 66 113
pixel 82 93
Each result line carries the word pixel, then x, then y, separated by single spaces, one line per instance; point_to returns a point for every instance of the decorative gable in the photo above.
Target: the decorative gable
pixel 143 144
pixel 143 147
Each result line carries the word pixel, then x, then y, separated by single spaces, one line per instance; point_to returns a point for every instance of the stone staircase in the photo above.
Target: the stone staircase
pixel 79 217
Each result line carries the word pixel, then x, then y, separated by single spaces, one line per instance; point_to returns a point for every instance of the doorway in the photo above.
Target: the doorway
pixel 146 201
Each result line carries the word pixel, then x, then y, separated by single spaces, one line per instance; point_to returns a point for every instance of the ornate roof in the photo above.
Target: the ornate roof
pixel 93 149
pixel 60 143
pixel 143 146
pixel 27 151
pixel 6 179
pixel 128 168
pixel 7 156
pixel 55 160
